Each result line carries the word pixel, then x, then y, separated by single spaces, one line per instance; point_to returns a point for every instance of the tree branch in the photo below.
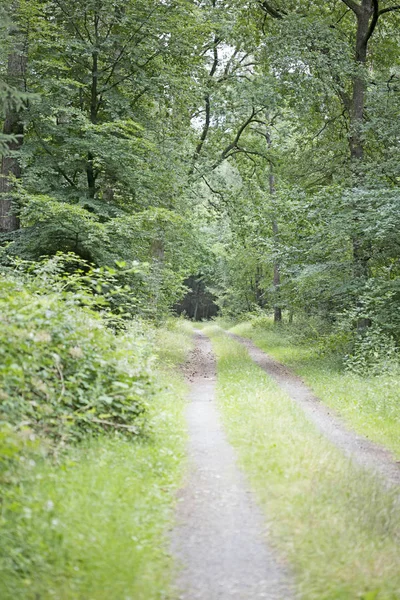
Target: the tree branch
pixel 86 27
pixel 374 21
pixel 250 153
pixel 231 59
pixel 55 162
pixel 124 48
pixel 389 9
pixel 215 192
pixel 356 8
pixel 73 23
pixel 273 12
pixel 327 123
pixel 235 142
pixel 216 58
pixel 377 14
pixel 206 128
pixel 346 12
pixel 207 121
pixel 106 89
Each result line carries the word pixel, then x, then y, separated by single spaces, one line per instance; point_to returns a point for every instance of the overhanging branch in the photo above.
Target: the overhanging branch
pixel 389 9
pixel 273 12
pixel 374 21
pixel 353 6
pixel 207 98
pixel 235 142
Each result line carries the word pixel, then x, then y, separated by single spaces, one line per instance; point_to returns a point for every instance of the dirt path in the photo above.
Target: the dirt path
pixel 362 451
pixel 220 537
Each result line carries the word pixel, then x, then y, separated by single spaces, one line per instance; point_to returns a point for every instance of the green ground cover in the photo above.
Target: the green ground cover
pixel 369 404
pixel 337 526
pixel 94 522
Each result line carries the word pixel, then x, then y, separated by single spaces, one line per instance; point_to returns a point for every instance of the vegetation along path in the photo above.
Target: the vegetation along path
pixel 220 536
pixel 358 448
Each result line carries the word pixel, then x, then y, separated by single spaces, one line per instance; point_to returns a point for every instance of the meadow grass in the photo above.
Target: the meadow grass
pixel 335 524
pixel 94 525
pixel 371 405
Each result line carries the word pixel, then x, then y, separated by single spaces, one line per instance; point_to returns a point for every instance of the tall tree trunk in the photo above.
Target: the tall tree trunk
pixel 13 126
pixel 275 231
pixel 367 13
pixel 277 281
pixel 363 16
pixel 94 107
pixel 257 287
pixel 365 27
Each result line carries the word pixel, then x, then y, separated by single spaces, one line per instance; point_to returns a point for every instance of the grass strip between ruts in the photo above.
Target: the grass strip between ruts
pixel 369 404
pixel 337 526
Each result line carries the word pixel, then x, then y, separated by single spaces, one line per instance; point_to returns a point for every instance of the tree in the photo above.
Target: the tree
pixel 12 99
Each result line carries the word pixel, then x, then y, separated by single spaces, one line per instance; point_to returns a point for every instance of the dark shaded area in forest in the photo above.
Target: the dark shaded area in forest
pixel 199 303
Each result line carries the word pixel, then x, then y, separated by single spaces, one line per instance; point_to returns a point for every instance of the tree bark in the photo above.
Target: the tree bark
pixel 94 107
pixel 364 13
pixel 275 231
pixel 363 16
pixel 13 126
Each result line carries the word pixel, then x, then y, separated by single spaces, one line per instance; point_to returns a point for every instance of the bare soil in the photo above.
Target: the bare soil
pixel 359 449
pixel 221 536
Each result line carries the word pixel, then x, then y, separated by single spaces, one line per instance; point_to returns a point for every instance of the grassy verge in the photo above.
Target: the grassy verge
pixel 338 529
pixel 369 404
pixel 93 526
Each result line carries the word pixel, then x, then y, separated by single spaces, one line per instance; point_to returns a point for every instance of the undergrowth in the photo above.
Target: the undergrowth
pixel 92 446
pixel 64 372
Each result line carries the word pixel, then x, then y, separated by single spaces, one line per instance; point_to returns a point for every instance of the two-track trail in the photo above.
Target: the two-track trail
pixel 220 539
pixel 359 449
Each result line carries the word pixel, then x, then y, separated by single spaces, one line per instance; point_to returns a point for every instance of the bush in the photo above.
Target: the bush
pixel 374 353
pixel 63 373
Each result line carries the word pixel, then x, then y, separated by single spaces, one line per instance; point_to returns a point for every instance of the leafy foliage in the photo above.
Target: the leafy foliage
pixel 63 372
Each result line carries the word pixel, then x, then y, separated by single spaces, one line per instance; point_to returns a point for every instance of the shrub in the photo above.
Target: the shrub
pixel 374 353
pixel 63 373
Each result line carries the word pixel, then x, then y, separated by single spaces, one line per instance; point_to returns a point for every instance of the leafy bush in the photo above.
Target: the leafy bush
pixel 156 248
pixel 303 330
pixel 117 291
pixel 374 353
pixel 63 373
pixel 50 226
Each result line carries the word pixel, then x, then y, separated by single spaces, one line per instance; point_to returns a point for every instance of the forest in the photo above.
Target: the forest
pixel 228 163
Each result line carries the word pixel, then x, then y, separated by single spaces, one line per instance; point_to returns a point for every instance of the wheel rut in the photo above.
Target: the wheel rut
pixel 220 539
pixel 359 449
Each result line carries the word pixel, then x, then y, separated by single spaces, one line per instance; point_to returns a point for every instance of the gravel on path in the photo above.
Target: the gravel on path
pixel 359 449
pixel 221 536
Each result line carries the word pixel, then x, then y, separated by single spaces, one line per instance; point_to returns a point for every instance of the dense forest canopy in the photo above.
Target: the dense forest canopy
pixel 251 145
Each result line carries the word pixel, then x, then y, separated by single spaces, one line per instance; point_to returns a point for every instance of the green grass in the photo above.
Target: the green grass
pixel 94 526
pixel 369 404
pixel 338 529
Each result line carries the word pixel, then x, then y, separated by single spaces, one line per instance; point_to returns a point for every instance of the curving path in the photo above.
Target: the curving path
pixel 359 449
